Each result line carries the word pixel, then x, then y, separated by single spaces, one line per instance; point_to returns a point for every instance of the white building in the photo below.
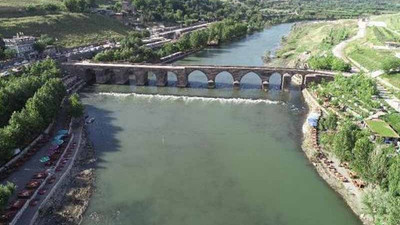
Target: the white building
pixel 23 45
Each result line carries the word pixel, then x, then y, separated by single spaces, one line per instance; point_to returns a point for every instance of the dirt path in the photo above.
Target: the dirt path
pixel 338 50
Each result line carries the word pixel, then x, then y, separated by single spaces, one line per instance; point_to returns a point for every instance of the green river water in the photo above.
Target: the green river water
pixel 207 157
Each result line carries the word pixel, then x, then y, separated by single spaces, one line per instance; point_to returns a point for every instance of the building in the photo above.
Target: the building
pixel 23 45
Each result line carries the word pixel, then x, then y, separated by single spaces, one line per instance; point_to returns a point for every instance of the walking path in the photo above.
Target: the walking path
pixel 338 51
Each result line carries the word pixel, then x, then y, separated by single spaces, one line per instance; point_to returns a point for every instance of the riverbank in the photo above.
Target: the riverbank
pixel 330 166
pixel 74 194
pixel 312 38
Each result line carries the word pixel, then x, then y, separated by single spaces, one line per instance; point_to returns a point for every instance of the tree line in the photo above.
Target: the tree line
pixel 132 48
pixel 375 162
pixel 15 91
pixel 39 110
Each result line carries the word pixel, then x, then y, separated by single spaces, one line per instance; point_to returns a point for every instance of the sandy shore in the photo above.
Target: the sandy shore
pixel 350 194
pixel 73 198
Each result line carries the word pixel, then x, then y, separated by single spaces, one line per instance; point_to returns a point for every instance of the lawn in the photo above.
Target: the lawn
pixel 70 29
pixel 394 79
pixel 380 35
pixel 367 57
pixel 392 21
pixel 381 128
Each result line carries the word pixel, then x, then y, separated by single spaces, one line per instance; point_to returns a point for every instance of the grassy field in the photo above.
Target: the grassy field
pixel 70 29
pixel 380 35
pixel 392 21
pixel 368 57
pixel 315 38
pixel 394 79
pixel 381 128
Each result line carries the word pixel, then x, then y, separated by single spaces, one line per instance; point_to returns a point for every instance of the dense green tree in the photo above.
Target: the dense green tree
pixel 394 177
pixel 76 108
pixel 361 153
pixel 5 193
pixel 344 141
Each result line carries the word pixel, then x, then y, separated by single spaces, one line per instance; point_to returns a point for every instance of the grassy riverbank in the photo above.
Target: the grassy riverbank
pixel 346 134
pixel 312 38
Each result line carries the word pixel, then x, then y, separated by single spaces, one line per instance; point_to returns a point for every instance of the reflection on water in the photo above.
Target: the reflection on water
pixel 198 156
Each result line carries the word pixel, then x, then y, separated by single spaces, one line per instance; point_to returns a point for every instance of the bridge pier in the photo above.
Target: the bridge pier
pixel 121 77
pixel 265 85
pixel 102 77
pixel 286 79
pixel 142 78
pixel 182 79
pixel 161 78
pixel 236 84
pixel 211 84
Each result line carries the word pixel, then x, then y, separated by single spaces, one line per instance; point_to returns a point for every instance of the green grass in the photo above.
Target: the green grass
pixel 380 35
pixel 393 120
pixel 392 21
pixel 381 128
pixel 393 79
pixel 70 29
pixel 367 57
pixel 17 8
pixel 309 37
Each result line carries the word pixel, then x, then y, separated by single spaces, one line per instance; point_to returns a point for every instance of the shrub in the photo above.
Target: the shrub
pixel 5 193
pixel 75 106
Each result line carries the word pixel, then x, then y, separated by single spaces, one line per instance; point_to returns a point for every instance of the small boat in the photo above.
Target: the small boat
pixel 91 120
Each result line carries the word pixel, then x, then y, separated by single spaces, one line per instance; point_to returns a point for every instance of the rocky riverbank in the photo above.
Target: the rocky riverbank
pixel 74 195
pixel 351 194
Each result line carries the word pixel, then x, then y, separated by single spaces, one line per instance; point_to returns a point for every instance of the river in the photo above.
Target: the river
pixel 196 156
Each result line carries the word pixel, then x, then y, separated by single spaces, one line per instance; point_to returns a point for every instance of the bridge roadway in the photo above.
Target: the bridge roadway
pixel 121 73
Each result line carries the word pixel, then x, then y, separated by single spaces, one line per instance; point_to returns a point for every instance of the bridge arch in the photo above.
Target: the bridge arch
pixel 172 78
pixel 90 76
pixel 275 81
pixel 250 80
pixel 109 76
pixel 198 79
pixel 224 79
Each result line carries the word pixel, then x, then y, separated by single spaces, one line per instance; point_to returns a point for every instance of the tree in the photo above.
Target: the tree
pixel 76 108
pixel 9 53
pixel 362 149
pixel 344 140
pixel 5 193
pixel 394 177
pixel 330 122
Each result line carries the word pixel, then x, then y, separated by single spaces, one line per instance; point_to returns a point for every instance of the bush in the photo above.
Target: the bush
pixel 50 7
pixel 5 193
pixel 329 62
pixel 9 53
pixel 76 5
pixel 391 65
pixel 31 8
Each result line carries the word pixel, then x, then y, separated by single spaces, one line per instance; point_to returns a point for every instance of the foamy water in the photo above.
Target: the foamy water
pixel 189 99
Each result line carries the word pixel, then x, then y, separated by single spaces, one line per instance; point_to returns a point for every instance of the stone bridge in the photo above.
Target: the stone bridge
pixel 103 73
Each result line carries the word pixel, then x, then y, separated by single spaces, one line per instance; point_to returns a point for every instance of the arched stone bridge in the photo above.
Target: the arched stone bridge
pixel 119 73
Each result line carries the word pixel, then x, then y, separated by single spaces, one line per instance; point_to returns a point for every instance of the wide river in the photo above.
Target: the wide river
pixel 207 157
